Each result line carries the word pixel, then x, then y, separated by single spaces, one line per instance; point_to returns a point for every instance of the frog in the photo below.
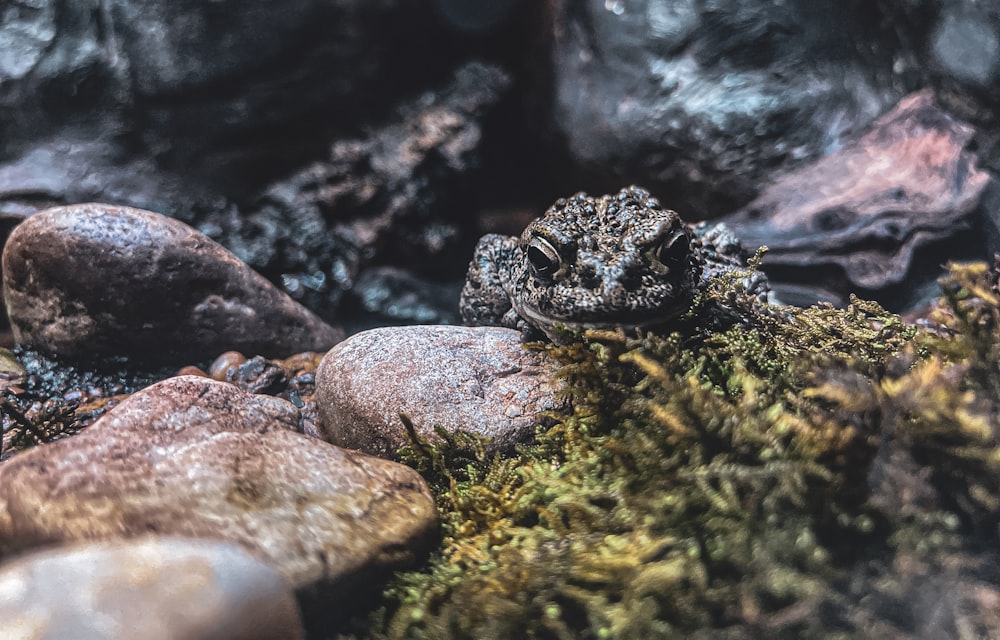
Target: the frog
pixel 613 261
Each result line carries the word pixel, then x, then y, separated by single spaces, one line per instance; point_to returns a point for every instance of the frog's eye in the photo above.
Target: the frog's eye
pixel 543 257
pixel 673 252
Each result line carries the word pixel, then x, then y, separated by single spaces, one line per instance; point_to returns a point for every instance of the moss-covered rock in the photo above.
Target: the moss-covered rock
pixel 805 472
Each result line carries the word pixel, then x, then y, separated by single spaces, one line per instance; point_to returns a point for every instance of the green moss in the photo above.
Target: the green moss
pixel 803 472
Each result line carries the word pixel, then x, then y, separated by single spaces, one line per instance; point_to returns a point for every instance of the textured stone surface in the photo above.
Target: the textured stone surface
pixel 705 99
pixel 96 279
pixel 152 588
pixel 192 88
pixel 864 212
pixel 194 457
pixel 480 379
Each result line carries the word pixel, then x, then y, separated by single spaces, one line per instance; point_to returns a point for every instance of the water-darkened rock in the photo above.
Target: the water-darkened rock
pixel 98 280
pixel 478 379
pixel 154 588
pixel 194 457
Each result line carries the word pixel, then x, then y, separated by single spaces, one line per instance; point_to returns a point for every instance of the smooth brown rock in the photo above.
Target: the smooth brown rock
pixel 480 379
pixel 152 588
pixel 194 457
pixel 95 279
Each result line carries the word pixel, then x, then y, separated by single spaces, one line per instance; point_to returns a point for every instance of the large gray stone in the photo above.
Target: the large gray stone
pixel 95 279
pixel 194 457
pixel 480 379
pixel 152 588
pixel 705 100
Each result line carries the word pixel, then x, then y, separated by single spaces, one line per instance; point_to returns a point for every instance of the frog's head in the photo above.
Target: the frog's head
pixel 612 261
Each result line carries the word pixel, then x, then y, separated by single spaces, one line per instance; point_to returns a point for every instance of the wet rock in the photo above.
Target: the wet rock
pixel 479 379
pixel 857 219
pixel 194 457
pixel 155 588
pixel 704 100
pixel 99 280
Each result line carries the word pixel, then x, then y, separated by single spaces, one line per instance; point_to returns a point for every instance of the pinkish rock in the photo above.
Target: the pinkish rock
pixel 480 379
pixel 95 279
pixel 154 588
pixel 194 457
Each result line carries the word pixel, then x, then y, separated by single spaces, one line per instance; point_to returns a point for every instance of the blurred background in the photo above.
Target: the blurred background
pixel 353 151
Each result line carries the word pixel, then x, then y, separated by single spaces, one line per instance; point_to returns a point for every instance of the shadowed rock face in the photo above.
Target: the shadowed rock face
pixel 98 280
pixel 865 210
pixel 198 458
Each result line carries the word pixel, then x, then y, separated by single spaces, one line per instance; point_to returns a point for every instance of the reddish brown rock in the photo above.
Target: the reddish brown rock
pixel 154 588
pixel 95 279
pixel 480 379
pixel 194 457
pixel 855 219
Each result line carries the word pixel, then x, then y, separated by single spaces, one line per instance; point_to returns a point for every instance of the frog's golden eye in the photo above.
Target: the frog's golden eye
pixel 673 252
pixel 543 257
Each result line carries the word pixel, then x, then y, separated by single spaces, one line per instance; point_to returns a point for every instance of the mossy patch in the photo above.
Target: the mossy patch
pixel 812 472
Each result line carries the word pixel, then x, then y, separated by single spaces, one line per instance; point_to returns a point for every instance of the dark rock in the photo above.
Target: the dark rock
pixel 97 280
pixel 384 195
pixel 154 588
pixel 965 44
pixel 856 219
pixel 193 457
pixel 704 100
pixel 478 379
pixel 389 295
pixel 215 93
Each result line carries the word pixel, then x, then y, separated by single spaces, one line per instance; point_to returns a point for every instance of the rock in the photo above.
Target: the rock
pixel 396 194
pixel 965 44
pixel 194 457
pixel 154 588
pixel 99 280
pixel 393 296
pixel 480 379
pixel 205 93
pixel 857 219
pixel 704 100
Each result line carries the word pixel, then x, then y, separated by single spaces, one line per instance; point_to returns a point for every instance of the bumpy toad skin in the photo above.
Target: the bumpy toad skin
pixel 611 261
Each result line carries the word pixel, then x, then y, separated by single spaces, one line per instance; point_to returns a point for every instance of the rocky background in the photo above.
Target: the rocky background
pixel 350 153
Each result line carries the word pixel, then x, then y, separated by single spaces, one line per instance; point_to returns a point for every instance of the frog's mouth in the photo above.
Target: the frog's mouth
pixel 627 321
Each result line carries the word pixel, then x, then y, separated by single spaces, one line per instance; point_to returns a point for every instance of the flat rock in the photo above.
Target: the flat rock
pixel 153 588
pixel 195 457
pixel 863 218
pixel 480 379
pixel 96 279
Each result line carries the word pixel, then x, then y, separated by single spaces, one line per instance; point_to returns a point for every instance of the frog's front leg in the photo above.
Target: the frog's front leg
pixel 486 295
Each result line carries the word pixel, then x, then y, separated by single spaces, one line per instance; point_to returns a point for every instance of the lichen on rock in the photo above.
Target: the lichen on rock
pixel 804 472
